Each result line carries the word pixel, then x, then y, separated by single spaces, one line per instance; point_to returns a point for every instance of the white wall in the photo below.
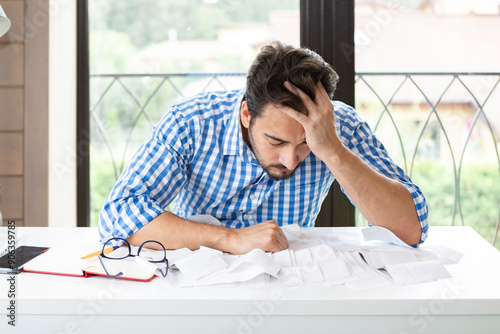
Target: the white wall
pixel 62 113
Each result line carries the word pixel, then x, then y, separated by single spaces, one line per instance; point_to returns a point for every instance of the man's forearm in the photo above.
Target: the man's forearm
pixel 382 201
pixel 174 233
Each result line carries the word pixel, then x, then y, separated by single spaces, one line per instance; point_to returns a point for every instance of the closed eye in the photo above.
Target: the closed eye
pixel 276 144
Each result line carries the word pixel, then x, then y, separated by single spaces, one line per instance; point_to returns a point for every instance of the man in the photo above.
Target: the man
pixel 257 159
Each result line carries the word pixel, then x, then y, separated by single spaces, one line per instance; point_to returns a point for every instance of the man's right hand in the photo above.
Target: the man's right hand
pixel 267 236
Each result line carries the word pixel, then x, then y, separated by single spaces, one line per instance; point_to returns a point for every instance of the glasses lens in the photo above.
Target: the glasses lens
pixel 110 252
pixel 150 252
pixel 109 267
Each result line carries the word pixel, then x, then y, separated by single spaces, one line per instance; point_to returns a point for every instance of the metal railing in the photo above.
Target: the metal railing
pixel 475 97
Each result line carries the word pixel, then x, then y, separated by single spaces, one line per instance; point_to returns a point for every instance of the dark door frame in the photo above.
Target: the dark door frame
pixel 327 27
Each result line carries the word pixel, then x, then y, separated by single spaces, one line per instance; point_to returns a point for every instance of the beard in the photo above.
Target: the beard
pixel 276 171
pixel 273 170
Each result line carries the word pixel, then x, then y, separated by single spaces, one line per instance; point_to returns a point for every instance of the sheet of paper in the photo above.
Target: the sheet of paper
pixel 175 255
pixel 449 255
pixel 302 244
pixel 332 240
pixel 312 273
pixel 354 265
pixel 290 276
pixel 381 234
pixel 357 257
pixel 351 238
pixel 260 280
pixel 66 257
pixel 283 258
pixel 155 268
pixel 423 254
pixel 417 272
pixel 335 271
pixel 258 258
pixel 322 253
pixel 303 257
pixel 201 263
pixel 243 273
pixel 381 259
pixel 293 232
pixel 240 268
pixel 369 279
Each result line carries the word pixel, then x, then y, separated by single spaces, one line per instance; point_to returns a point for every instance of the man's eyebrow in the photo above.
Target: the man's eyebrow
pixel 275 138
pixel 278 139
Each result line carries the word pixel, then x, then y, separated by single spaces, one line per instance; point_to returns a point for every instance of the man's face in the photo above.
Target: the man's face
pixel 277 140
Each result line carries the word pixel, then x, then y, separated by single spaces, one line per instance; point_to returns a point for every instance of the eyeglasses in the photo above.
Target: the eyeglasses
pixel 146 251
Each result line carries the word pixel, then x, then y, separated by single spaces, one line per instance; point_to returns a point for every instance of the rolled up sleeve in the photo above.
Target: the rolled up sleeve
pixel 150 181
pixel 359 138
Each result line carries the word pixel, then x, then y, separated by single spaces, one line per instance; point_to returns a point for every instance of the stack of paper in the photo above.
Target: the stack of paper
pixel 207 266
pixel 316 257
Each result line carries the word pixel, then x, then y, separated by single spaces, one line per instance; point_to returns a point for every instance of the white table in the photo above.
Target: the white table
pixel 467 303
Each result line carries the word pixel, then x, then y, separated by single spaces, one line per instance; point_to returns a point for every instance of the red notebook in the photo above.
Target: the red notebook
pixel 65 259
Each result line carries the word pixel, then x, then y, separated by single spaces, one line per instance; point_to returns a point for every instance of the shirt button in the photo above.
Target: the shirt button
pixel 252 196
pixel 245 216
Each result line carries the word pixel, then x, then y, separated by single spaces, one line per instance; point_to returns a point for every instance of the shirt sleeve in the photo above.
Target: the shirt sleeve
pixel 150 181
pixel 359 138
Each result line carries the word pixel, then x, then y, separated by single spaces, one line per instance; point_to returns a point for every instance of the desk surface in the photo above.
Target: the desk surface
pixel 473 290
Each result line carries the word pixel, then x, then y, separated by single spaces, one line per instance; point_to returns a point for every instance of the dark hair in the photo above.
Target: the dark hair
pixel 278 62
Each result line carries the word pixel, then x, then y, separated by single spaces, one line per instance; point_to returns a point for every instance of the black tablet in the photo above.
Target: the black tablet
pixel 13 262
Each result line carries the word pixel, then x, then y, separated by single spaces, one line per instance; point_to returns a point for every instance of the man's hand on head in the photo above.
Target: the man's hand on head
pixel 319 123
pixel 267 236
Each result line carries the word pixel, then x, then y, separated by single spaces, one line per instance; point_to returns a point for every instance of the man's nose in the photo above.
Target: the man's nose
pixel 290 159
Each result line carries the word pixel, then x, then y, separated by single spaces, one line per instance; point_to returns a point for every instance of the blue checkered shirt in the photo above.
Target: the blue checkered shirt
pixel 196 156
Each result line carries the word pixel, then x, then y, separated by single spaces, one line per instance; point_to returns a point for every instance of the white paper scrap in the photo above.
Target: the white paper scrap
pixel 290 276
pixel 243 273
pixel 334 270
pixel 382 234
pixel 311 273
pixel 302 244
pixel 450 255
pixel 283 258
pixel 201 263
pixel 154 267
pixel 258 258
pixel 322 253
pixel 369 279
pixel 417 272
pixel 174 255
pixel 381 259
pixel 303 257
pixel 293 232
pixel 352 262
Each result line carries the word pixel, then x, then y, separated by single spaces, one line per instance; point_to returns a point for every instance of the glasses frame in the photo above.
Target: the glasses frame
pixel 102 255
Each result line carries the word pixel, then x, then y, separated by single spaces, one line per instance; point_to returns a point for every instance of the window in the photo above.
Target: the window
pixel 427 80
pixel 145 55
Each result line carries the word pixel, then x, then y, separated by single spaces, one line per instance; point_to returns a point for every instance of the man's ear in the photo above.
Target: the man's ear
pixel 245 115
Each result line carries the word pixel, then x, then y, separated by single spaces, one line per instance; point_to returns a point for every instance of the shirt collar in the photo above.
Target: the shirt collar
pixel 232 141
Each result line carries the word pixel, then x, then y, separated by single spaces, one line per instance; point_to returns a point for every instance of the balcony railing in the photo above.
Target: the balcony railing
pixel 443 129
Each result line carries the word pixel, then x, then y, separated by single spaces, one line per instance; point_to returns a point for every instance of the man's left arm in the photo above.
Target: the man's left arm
pixel 382 200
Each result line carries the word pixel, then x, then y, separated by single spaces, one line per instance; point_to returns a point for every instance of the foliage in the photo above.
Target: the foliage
pixel 148 22
pixel 476 200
